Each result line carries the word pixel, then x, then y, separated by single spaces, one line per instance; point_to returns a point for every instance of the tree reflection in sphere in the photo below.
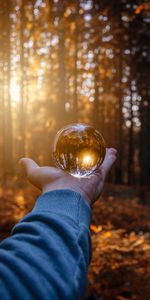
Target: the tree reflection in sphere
pixel 78 149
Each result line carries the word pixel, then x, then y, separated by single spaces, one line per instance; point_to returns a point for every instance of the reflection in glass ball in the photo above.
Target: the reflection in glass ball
pixel 78 149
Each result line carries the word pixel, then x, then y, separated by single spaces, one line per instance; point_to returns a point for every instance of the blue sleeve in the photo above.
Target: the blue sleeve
pixel 47 255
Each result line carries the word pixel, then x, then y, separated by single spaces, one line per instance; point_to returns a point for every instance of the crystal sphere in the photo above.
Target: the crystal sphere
pixel 78 149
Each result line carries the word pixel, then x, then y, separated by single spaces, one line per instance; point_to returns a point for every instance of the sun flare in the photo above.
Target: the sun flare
pixel 87 160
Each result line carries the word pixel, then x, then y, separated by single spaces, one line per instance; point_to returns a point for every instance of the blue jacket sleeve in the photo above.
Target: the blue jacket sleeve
pixel 47 255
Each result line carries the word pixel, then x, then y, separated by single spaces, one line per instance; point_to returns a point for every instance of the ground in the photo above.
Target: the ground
pixel 120 266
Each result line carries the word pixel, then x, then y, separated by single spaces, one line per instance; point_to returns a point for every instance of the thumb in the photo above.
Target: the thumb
pixel 109 160
pixel 28 165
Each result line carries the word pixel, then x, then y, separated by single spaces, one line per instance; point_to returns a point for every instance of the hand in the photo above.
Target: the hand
pixel 50 178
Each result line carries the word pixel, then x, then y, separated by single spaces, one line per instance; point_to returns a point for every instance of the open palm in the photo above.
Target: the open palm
pixel 50 178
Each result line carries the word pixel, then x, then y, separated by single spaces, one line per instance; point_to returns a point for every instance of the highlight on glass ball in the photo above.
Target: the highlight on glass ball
pixel 78 149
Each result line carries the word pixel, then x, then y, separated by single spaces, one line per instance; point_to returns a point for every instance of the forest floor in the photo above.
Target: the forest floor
pixel 120 266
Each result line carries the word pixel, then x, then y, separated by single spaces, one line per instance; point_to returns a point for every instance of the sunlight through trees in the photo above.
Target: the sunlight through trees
pixel 75 61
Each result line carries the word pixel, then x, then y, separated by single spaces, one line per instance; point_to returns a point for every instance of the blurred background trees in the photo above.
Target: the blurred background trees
pixel 75 61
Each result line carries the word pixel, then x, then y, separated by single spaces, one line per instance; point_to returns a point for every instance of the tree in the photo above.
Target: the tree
pixel 7 111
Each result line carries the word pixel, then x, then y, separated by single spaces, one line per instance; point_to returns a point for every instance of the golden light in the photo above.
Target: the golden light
pixel 87 160
pixel 14 91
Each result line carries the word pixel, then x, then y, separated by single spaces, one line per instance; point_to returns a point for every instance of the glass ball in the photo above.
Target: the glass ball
pixel 78 149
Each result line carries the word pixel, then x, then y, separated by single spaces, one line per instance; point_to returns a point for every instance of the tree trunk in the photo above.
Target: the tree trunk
pixel 76 34
pixel 22 77
pixel 7 135
pixel 61 112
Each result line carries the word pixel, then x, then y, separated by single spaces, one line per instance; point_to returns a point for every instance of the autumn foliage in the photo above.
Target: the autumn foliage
pixel 120 266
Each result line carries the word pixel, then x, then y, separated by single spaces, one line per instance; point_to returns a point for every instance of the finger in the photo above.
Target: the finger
pixel 28 165
pixel 109 160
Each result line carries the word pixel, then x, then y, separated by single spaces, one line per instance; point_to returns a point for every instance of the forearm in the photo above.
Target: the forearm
pixel 47 255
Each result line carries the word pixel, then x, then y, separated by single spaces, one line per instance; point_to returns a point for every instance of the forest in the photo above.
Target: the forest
pixel 75 61
pixel 82 61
